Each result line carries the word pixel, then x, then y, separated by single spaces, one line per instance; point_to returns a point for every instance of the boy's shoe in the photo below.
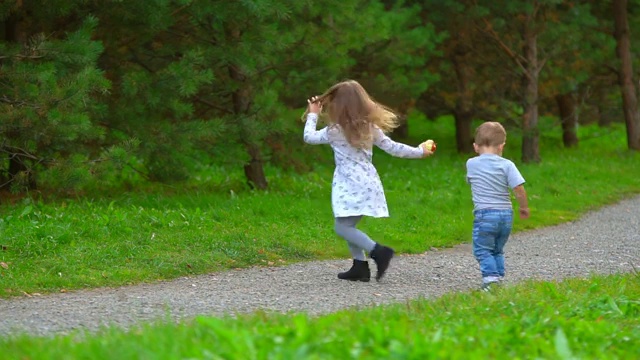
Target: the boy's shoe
pixel 359 272
pixel 382 256
pixel 488 286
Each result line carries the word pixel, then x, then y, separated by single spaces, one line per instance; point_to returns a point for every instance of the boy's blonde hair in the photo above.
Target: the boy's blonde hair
pixel 490 133
pixel 348 105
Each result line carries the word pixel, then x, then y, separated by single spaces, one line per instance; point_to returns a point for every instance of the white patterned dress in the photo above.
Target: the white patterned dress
pixel 356 189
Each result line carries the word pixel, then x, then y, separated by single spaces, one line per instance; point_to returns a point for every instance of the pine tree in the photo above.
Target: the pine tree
pixel 49 83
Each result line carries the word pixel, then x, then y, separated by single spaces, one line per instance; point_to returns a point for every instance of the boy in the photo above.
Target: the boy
pixel 491 176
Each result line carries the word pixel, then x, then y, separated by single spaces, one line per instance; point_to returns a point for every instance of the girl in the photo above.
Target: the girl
pixel 356 123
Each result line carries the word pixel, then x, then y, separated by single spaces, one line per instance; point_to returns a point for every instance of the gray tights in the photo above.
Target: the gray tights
pixel 358 241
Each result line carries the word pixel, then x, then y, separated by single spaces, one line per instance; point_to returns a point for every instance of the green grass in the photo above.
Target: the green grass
pixel 143 236
pixel 50 246
pixel 595 318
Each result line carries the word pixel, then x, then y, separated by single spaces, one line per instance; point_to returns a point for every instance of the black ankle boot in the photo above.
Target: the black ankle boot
pixel 359 272
pixel 382 256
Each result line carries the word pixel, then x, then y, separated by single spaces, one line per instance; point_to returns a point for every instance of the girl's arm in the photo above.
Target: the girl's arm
pixel 395 148
pixel 313 136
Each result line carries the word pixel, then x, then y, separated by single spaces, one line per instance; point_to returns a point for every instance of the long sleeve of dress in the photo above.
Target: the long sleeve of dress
pixel 395 148
pixel 311 134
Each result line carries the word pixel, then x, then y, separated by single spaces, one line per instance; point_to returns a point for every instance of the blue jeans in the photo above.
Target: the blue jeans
pixel 491 229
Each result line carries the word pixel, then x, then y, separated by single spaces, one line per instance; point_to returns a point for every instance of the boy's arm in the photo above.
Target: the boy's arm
pixel 523 204
pixel 311 134
pixel 395 148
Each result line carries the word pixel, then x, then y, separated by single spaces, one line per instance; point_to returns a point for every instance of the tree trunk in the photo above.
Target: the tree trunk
pixel 242 98
pixel 530 131
pixel 402 131
pixel 254 169
pixel 568 119
pixel 464 134
pixel 463 112
pixel 625 73
pixel 14 33
pixel 604 119
pixel 17 169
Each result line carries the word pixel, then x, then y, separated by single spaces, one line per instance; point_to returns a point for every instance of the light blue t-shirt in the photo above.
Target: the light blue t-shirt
pixel 491 176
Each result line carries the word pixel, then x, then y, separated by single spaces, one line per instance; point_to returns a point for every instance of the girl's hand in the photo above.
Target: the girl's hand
pixel 427 148
pixel 315 106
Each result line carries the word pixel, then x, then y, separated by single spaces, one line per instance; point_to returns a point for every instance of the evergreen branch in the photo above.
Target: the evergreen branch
pixel 7 183
pixel 179 9
pixel 16 151
pixel 55 102
pixel 127 164
pixel 136 60
pixel 537 6
pixel 213 106
pixel 611 69
pixel 270 67
pixel 518 59
pixel 20 103
pixel 143 174
pixel 213 41
pixel 13 102
pixel 97 161
pixel 541 65
pixel 22 57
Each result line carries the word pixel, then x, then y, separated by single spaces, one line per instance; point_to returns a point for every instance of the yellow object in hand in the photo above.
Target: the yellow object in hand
pixel 429 146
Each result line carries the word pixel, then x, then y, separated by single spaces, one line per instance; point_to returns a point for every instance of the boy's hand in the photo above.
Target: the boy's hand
pixel 521 196
pixel 314 105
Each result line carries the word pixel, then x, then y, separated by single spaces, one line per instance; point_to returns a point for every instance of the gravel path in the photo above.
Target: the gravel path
pixel 606 241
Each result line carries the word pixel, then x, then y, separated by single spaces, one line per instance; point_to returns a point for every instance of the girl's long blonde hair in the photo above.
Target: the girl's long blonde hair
pixel 348 105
